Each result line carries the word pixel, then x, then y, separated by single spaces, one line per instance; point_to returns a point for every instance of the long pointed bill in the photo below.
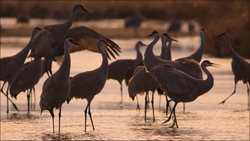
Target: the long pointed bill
pixel 216 65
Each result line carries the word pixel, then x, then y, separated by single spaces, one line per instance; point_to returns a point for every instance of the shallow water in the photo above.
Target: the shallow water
pixel 203 119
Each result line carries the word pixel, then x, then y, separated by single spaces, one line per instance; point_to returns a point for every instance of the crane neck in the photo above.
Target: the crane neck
pixel 149 57
pixel 104 65
pixel 64 70
pixel 209 82
pixel 138 55
pixel 168 51
pixel 233 53
pixel 163 48
pixel 22 55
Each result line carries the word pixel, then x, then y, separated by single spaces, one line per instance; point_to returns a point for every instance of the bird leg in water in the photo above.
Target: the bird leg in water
pixel 52 115
pixel 60 109
pixel 2 87
pixel 222 102
pixel 152 102
pixel 145 108
pixel 28 99
pixel 14 105
pixel 88 108
pixel 173 111
pixel 138 106
pixel 48 64
pixel 121 91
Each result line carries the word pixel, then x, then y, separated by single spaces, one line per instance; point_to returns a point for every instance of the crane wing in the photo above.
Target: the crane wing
pixel 88 39
pixel 174 80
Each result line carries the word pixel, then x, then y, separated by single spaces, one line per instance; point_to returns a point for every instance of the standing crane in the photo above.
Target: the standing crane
pixel 118 70
pixel 189 66
pixel 10 66
pixel 86 85
pixel 181 87
pixel 27 78
pixel 57 87
pixel 134 21
pixel 240 68
pixel 142 81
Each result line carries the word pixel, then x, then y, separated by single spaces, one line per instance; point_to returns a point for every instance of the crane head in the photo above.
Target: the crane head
pixel 203 29
pixel 208 63
pixel 79 7
pixel 153 33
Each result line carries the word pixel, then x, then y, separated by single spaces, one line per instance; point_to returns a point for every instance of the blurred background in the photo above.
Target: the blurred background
pixel 137 19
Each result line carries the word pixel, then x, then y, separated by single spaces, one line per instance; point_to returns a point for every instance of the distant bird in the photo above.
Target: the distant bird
pixel 11 66
pixel 134 21
pixel 22 18
pixel 56 88
pixel 86 85
pixel 175 26
pixel 181 87
pixel 118 70
pixel 27 78
pixel 240 68
pixel 199 52
pixel 49 42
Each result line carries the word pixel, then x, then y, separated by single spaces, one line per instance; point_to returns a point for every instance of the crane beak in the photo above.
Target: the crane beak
pixel 143 44
pixel 215 65
pixel 149 35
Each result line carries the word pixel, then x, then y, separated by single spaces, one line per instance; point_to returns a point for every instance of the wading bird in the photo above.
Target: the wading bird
pixel 118 70
pixel 57 87
pixel 49 42
pixel 240 68
pixel 181 87
pixel 27 78
pixel 11 66
pixel 86 85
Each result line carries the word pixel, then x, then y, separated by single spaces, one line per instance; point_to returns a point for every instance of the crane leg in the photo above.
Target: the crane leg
pixel 183 106
pixel 138 106
pixel 28 99
pixel 145 108
pixel 222 102
pixel 248 95
pixel 159 101
pixel 91 118
pixel 3 86
pixel 7 95
pixel 60 109
pixel 173 111
pixel 121 91
pixel 52 115
pixel 33 88
pixel 167 105
pixel 152 102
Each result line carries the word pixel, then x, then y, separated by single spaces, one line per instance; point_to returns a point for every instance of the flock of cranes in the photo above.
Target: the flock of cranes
pixel 181 80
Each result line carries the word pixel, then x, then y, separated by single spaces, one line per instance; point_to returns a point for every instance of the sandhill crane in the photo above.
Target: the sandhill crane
pixel 199 52
pixel 57 87
pixel 27 78
pixel 10 66
pixel 90 83
pixel 240 68
pixel 142 82
pixel 49 42
pixel 118 69
pixel 134 21
pixel 189 66
pixel 181 87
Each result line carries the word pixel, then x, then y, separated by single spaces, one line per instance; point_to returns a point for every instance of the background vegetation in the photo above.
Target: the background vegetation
pixel 216 17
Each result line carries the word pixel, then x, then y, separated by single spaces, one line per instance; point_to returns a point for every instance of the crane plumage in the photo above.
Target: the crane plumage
pixel 86 85
pixel 240 68
pixel 180 86
pixel 56 88
pixel 10 66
